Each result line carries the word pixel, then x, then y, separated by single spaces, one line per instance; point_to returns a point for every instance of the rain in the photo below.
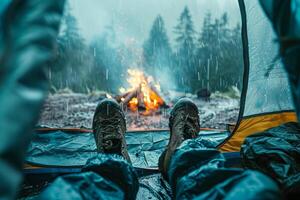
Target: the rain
pixel 149 99
pixel 193 50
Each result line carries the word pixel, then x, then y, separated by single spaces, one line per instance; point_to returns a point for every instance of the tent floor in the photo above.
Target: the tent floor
pixel 54 152
pixel 73 147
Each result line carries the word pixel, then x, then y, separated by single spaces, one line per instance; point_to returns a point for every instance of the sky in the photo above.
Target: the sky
pixel 134 18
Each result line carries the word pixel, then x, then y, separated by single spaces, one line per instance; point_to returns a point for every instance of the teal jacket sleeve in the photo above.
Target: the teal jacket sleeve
pixel 28 34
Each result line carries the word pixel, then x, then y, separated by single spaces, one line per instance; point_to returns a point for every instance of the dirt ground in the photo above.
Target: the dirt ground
pixel 66 109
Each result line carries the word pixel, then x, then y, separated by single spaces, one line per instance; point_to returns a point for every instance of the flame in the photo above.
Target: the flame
pixel 133 104
pixel 146 95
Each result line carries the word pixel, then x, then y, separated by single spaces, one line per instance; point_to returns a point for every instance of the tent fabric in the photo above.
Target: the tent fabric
pixel 251 125
pixel 268 89
pixel 287 24
pixel 276 152
pixel 65 148
pixel 55 152
pixel 266 98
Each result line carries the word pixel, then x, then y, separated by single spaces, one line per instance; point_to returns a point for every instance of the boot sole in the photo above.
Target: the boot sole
pixel 182 103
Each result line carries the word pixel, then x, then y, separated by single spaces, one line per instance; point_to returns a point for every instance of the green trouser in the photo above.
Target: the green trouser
pixel 28 32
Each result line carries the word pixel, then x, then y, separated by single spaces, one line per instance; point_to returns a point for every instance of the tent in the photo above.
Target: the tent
pixel 266 97
pixel 266 102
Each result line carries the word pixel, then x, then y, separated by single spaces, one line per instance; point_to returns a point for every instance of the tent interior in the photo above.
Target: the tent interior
pixel 265 102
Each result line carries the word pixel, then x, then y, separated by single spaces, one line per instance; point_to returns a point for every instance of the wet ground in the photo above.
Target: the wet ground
pixel 66 109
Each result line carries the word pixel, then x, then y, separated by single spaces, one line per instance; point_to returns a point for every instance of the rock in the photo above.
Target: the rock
pixel 204 94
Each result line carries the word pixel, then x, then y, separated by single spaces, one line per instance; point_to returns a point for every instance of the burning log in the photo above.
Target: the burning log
pixel 144 94
pixel 120 98
pixel 129 96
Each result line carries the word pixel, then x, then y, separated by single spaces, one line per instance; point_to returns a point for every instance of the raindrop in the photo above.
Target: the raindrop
pixel 106 74
pixel 67 106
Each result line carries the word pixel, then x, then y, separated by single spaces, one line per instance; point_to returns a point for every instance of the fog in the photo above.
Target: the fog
pixel 133 18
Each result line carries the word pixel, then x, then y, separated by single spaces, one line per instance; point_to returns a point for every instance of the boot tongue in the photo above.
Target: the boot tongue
pixel 191 128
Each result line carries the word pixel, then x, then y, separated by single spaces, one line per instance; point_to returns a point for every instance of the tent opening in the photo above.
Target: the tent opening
pixel 147 56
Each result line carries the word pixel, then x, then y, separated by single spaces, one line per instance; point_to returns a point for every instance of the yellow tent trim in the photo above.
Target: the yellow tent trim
pixel 249 126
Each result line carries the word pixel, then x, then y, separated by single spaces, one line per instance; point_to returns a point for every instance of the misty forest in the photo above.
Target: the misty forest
pixel 150 99
pixel 192 61
pixel 208 58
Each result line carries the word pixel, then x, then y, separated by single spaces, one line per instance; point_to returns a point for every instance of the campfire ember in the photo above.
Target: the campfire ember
pixel 142 94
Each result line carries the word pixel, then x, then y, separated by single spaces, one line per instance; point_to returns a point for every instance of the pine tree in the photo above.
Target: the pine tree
pixel 70 66
pixel 70 35
pixel 157 50
pixel 206 33
pixel 74 51
pixel 219 54
pixel 108 67
pixel 185 53
pixel 205 46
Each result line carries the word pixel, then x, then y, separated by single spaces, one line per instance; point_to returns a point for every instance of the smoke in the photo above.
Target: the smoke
pixel 166 78
pixel 126 27
pixel 135 17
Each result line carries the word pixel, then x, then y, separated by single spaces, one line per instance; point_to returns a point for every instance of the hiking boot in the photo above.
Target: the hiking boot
pixel 184 124
pixel 109 127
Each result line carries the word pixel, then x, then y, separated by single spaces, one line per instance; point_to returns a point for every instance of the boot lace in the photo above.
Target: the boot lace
pixel 110 129
pixel 189 126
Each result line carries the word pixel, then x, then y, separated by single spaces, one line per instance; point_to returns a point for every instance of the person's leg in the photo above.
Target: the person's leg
pixel 197 172
pixel 106 176
pixel 110 174
pixel 184 124
pixel 195 169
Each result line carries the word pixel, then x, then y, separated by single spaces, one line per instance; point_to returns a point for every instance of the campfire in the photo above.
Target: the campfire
pixel 142 95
